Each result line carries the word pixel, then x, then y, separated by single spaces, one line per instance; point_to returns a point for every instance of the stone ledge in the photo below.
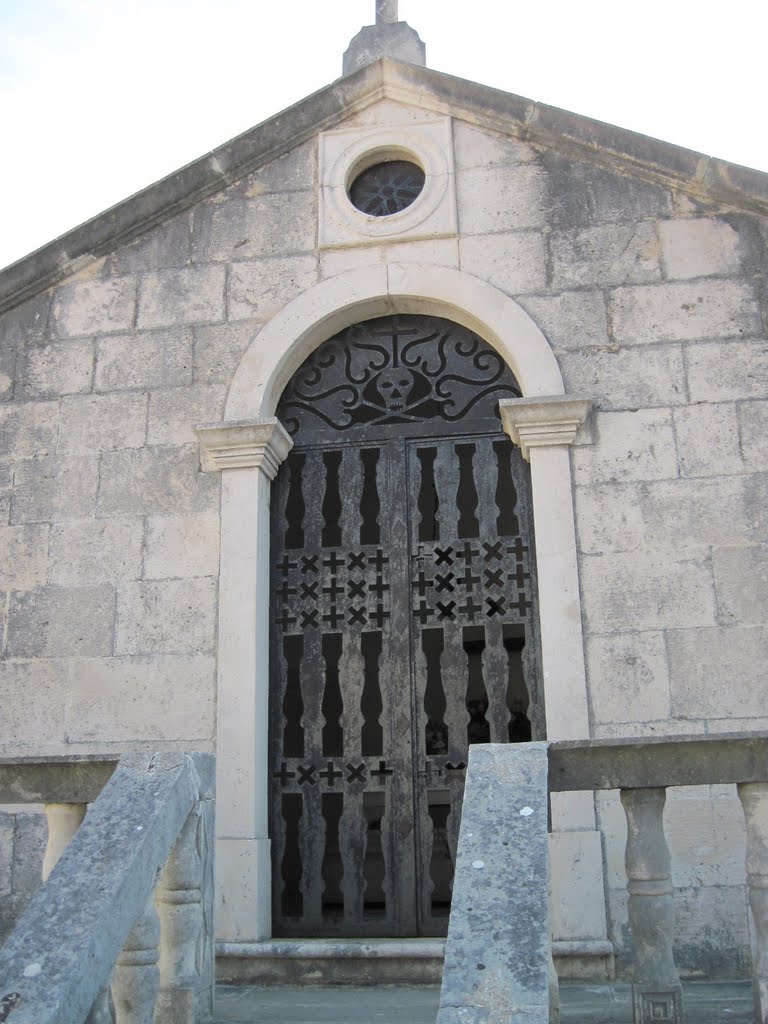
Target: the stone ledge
pixel 543 422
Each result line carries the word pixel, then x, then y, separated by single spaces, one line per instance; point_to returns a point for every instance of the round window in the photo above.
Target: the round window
pixel 387 188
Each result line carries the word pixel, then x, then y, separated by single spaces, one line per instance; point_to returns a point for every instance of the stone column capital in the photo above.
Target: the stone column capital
pixel 543 422
pixel 242 444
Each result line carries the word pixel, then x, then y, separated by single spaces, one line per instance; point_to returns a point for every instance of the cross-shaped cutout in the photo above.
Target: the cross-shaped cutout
pixel 443 555
pixel 377 617
pixel 334 617
pixel 495 606
pixel 285 565
pixel 518 549
pixel 467 553
pixel 519 576
pixel 471 608
pixel 381 772
pixel 309 563
pixel 307 774
pixel 444 582
pixel 356 615
pixel 422 613
pixel 334 590
pixel 284 775
pixel 494 577
pixel 421 583
pixel 521 604
pixel 333 562
pixel 309 618
pixel 379 560
pixel 284 620
pixel 355 774
pixel 492 551
pixel 446 609
pixel 356 589
pixel 356 561
pixel 378 587
pixel 285 592
pixel 331 774
pixel 309 590
pixel 468 580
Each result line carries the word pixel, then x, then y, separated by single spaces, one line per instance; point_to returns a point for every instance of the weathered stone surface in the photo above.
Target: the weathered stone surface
pixel 227 229
pixel 741 584
pixel 626 379
pixel 93 307
pixel 645 314
pixel 103 880
pixel 55 487
pixel 165 698
pixel 218 350
pixel 612 254
pixel 194 295
pixel 91 423
pixel 294 171
pixel 156 359
pixel 514 262
pixel 571 319
pixel 6 488
pixel 168 245
pixel 479 147
pixel 642 591
pixel 155 481
pixel 182 546
pixel 509 198
pixel 394 39
pixel 55 622
pixel 708 440
pixel 26 323
pixel 718 672
pixel 628 677
pixel 498 948
pixel 722 372
pixel 28 850
pixel 261 288
pixel 95 551
pixel 685 515
pixel 699 247
pixel 33 695
pixel 637 445
pixel 23 556
pixel 442 252
pixel 582 195
pixel 7 823
pixel 169 616
pixel 172 411
pixel 753 422
pixel 29 429
pixel 59 369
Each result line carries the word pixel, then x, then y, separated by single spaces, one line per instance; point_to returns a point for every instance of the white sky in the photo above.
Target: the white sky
pixel 99 98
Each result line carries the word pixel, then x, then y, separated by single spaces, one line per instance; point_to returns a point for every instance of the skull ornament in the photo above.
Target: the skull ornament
pixel 394 387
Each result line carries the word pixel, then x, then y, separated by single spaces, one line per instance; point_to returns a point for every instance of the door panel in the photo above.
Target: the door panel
pixel 400 609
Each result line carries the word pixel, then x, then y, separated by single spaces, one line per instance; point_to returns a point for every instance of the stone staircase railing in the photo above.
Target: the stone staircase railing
pixel 122 928
pixel 498 963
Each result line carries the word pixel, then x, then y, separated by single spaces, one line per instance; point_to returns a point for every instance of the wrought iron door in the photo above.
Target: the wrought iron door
pixel 402 632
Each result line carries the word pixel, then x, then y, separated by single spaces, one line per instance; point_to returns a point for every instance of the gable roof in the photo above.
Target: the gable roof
pixel 630 153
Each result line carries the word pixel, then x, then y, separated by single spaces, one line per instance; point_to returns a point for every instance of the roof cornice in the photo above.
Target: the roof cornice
pixel 703 177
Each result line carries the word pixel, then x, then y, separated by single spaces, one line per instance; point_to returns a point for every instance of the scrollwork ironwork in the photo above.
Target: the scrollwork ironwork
pixel 399 369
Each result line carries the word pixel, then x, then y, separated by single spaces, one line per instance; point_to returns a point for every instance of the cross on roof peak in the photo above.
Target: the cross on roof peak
pixel 386 12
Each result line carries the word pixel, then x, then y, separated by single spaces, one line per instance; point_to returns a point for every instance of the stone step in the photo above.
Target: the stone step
pixel 331 962
pixel 706 1003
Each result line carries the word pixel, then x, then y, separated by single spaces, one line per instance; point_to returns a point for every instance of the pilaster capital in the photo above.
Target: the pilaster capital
pixel 241 444
pixel 543 422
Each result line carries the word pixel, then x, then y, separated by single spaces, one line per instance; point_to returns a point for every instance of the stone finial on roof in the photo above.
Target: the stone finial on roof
pixel 386 12
pixel 387 38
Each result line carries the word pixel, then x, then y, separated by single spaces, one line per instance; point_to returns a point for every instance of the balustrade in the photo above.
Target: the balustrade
pixel 641 770
pixel 98 943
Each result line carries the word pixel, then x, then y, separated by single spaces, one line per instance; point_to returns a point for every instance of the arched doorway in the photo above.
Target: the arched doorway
pixel 401 620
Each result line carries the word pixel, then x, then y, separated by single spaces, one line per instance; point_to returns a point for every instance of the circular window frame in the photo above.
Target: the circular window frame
pixel 363 152
pixel 355 173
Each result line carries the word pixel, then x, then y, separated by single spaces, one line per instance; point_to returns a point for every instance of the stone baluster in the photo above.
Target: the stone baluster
pixel 184 905
pixel 137 979
pixel 754 802
pixel 656 991
pixel 63 821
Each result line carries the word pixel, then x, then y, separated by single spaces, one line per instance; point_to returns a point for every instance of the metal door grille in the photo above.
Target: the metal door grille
pixel 402 632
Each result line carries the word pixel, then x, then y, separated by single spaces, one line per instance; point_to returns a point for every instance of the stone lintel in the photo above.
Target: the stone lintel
pixel 543 422
pixel 243 444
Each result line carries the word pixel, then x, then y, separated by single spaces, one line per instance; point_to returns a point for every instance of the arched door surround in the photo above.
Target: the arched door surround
pixel 250 444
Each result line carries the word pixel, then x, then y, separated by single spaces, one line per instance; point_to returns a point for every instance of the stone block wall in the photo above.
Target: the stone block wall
pixel 655 306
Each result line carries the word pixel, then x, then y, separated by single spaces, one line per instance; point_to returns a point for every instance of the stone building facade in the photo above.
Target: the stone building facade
pixel 621 279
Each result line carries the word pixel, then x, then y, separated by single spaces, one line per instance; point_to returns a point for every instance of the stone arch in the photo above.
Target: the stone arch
pixel 250 445
pixel 292 334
